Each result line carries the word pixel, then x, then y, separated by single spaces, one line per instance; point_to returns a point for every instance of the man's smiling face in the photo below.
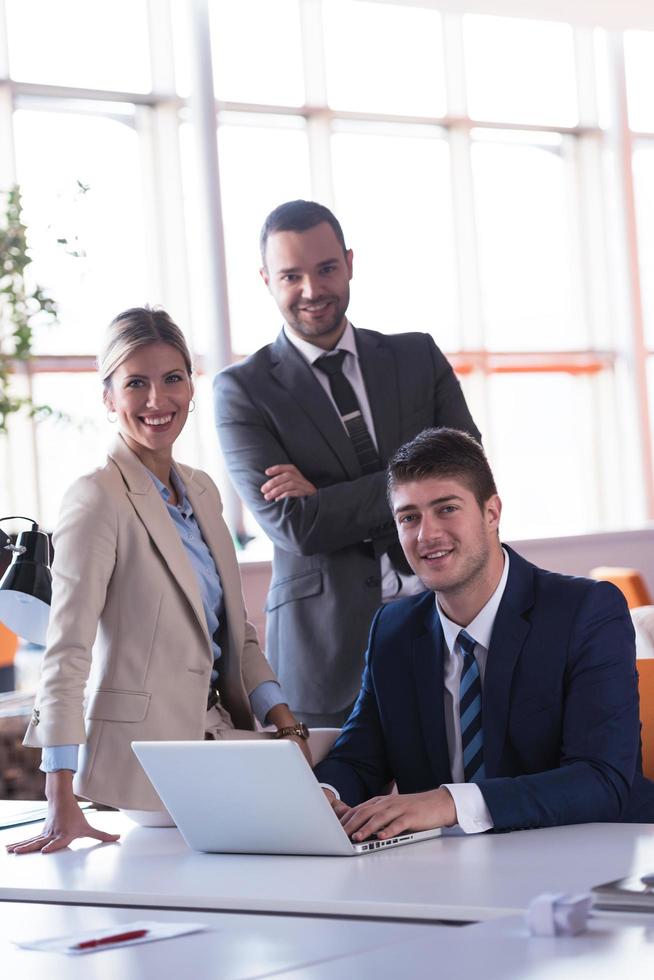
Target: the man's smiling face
pixel 446 536
pixel 308 275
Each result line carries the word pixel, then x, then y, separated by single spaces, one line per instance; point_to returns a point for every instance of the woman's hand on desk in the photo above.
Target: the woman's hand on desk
pixel 65 821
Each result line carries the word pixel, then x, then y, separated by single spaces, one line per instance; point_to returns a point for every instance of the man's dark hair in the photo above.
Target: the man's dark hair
pixel 298 216
pixel 443 453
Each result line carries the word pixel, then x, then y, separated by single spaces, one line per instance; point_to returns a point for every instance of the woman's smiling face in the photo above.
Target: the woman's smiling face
pixel 150 392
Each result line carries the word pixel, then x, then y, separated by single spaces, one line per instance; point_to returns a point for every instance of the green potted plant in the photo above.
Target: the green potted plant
pixel 23 305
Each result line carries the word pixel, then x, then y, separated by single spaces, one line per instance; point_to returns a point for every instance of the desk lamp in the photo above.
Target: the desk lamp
pixel 26 586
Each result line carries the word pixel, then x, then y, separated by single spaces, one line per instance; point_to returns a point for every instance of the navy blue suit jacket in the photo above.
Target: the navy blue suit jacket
pixel 560 706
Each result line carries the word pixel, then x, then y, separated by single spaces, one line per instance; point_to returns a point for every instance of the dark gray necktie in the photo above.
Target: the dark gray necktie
pixel 350 411
pixel 354 422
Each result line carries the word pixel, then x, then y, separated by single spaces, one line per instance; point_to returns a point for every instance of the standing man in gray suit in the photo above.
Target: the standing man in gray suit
pixel 306 425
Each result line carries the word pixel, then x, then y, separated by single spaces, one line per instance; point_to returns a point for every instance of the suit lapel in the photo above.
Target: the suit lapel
pixel 380 378
pixel 294 374
pixel 510 631
pixel 153 514
pixel 428 671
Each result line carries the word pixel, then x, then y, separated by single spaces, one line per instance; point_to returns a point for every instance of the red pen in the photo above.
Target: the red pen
pixel 121 937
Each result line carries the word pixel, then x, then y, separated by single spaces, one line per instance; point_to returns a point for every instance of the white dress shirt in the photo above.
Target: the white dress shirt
pixel 471 810
pixel 393 584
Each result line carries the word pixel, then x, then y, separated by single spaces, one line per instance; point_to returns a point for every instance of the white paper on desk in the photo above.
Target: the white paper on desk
pixel 156 930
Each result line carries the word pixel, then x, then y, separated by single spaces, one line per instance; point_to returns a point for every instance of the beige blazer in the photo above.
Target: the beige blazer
pixel 127 618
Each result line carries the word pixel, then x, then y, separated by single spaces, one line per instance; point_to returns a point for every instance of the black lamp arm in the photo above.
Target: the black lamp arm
pixel 5 540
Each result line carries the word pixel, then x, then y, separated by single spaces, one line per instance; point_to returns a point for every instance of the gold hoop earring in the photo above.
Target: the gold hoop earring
pixel 191 406
pixel 109 414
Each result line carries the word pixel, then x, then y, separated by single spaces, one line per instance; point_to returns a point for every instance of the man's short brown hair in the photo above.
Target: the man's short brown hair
pixel 443 453
pixel 298 216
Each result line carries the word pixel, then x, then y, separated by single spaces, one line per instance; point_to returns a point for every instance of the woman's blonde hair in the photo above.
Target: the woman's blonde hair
pixel 133 329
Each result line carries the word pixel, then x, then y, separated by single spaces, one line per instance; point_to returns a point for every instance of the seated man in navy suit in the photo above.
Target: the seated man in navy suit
pixel 505 696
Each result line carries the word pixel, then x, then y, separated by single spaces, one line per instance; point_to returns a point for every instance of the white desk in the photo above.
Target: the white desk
pixel 245 947
pixel 451 878
pixel 237 946
pixel 502 950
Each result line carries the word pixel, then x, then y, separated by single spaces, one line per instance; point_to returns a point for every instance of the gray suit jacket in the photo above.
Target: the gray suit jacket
pixel 326 581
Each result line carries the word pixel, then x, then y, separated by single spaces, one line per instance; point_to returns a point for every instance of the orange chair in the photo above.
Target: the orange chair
pixel 646 691
pixel 8 647
pixel 628 580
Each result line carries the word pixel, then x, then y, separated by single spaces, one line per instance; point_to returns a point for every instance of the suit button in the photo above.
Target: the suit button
pixel 373 580
pixel 35 716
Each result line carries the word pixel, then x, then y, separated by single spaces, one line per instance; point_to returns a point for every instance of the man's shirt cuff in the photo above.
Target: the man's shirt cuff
pixel 472 814
pixel 55 757
pixel 265 697
pixel 331 788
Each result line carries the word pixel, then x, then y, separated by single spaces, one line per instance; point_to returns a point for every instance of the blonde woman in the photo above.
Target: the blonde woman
pixel 146 601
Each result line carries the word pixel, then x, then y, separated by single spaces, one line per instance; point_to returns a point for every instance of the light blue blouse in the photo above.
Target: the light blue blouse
pixel 266 695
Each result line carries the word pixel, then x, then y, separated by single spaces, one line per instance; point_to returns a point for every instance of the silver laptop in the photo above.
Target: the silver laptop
pixel 250 797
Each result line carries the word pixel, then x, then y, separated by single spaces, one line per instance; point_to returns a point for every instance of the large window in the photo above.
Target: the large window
pixel 502 206
pixel 80 176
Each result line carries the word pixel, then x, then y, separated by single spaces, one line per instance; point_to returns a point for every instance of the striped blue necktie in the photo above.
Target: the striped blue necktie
pixel 472 736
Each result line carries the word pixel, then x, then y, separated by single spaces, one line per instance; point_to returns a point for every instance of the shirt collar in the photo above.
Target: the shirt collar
pixel 481 628
pixel 180 490
pixel 311 353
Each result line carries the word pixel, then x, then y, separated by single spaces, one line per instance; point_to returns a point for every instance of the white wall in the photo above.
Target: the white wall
pixel 574 555
pixel 577 554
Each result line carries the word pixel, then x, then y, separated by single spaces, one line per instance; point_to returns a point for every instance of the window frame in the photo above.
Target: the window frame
pixel 158 116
